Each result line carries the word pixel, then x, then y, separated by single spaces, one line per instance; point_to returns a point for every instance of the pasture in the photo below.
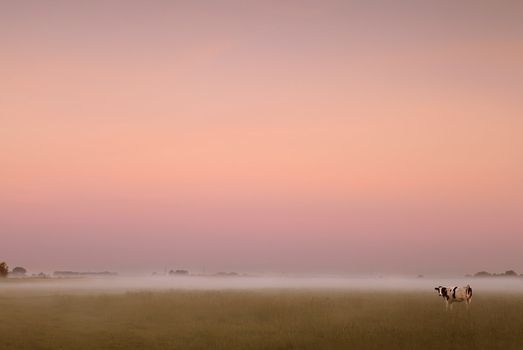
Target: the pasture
pixel 257 319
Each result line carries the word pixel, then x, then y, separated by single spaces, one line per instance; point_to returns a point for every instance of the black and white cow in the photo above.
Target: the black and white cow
pixel 455 295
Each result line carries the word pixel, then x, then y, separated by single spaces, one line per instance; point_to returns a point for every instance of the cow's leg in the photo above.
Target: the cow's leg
pixel 450 306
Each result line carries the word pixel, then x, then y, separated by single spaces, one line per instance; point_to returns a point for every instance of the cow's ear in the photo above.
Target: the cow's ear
pixel 436 288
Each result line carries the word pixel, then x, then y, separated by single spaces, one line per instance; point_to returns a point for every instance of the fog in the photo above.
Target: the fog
pixel 165 283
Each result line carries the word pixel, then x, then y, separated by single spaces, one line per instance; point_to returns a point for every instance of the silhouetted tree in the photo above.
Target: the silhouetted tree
pixel 511 273
pixel 4 269
pixel 19 271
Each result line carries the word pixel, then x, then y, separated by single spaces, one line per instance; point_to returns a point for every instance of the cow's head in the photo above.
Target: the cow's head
pixel 442 291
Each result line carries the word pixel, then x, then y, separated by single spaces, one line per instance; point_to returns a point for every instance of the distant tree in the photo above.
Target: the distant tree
pixel 20 271
pixel 482 274
pixel 511 273
pixel 4 269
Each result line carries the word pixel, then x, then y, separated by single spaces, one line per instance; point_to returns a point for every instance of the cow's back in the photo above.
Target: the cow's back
pixel 460 293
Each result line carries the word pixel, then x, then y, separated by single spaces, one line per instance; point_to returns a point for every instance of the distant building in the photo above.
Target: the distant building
pixel 40 275
pixel 79 274
pixel 227 274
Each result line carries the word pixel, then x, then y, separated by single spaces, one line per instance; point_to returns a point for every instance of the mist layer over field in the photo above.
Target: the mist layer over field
pixel 163 283
pixel 257 312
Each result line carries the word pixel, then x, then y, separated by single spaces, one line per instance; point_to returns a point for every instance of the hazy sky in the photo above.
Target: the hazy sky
pixel 344 136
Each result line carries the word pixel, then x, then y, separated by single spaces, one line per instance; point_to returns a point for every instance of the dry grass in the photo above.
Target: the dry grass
pixel 258 319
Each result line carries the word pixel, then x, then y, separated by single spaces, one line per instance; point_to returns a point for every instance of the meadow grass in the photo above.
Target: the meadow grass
pixel 259 319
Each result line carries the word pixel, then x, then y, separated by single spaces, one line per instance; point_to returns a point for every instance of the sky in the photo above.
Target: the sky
pixel 361 137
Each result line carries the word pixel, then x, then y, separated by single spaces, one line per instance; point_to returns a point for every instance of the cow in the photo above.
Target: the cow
pixel 455 295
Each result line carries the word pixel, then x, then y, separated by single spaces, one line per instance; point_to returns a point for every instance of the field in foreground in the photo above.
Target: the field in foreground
pixel 259 319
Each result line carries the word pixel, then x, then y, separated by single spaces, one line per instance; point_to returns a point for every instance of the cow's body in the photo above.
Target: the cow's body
pixel 455 294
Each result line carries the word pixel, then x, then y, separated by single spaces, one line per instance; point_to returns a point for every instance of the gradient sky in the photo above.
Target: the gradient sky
pixel 284 136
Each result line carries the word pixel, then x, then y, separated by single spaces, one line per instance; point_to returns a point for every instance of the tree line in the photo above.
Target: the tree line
pixel 4 270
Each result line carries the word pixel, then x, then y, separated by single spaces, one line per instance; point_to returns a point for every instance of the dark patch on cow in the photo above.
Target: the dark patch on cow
pixel 469 292
pixel 454 292
pixel 444 293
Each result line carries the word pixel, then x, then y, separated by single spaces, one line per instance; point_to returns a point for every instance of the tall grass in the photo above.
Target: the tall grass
pixel 259 319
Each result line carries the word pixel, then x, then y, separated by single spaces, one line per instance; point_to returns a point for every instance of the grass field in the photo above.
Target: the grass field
pixel 258 319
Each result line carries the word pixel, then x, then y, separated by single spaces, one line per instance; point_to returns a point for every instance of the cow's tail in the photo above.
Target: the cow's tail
pixel 469 292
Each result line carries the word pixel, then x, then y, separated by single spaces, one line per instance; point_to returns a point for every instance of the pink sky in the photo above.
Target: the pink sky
pixel 306 136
